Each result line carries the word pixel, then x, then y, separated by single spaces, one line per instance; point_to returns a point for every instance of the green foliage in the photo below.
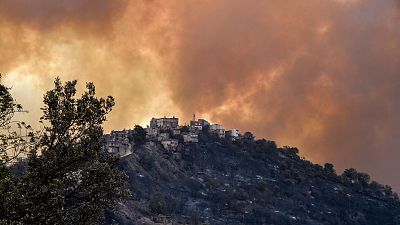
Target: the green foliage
pixel 248 136
pixel 363 179
pixel 15 136
pixel 6 104
pixel 291 151
pixel 206 129
pixel 157 204
pixel 329 168
pixel 69 179
pixel 210 182
pixel 195 218
pixel 241 194
pixel 139 135
pixel 375 186
pixel 349 176
pixel 184 129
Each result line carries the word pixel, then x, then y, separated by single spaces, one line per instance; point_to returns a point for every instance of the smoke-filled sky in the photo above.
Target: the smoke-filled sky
pixel 323 75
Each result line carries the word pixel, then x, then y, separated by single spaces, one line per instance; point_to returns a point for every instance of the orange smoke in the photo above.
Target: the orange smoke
pixel 321 75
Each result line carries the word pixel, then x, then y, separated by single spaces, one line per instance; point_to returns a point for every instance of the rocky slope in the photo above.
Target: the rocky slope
pixel 246 182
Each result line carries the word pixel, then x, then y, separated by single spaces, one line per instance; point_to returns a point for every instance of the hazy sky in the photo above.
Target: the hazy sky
pixel 323 75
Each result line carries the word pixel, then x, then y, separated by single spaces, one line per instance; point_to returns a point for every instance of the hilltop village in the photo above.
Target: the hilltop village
pixel 200 173
pixel 169 134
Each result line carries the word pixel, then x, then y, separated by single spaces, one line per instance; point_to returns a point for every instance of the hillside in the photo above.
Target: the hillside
pixel 217 181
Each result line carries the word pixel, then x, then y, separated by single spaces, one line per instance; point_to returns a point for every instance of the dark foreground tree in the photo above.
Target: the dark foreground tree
pixel 70 179
pixel 15 136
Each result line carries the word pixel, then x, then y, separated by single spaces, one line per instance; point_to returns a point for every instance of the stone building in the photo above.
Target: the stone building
pixel 233 134
pixel 176 131
pixel 167 132
pixel 163 137
pixel 164 123
pixel 190 138
pixel 117 142
pixel 196 126
pixel 218 129
pixel 195 129
pixel 170 144
pixel 152 132
pixel 199 123
pixel 203 122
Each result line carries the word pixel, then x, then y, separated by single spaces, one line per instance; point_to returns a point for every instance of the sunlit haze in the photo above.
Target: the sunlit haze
pixel 322 75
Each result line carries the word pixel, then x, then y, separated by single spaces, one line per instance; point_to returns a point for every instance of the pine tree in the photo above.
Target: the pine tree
pixel 70 178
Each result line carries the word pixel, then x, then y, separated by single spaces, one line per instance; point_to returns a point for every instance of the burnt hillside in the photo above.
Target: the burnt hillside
pixel 246 182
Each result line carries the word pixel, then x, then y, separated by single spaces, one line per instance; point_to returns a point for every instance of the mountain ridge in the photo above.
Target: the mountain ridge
pixel 246 181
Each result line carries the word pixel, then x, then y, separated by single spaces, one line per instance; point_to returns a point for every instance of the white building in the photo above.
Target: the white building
pixel 233 134
pixel 195 129
pixel 170 144
pixel 163 137
pixel 194 138
pixel 176 131
pixel 152 132
pixel 164 123
pixel 218 129
pixel 117 142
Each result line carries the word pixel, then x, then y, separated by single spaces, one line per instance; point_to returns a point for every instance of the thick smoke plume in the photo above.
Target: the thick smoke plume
pixel 47 14
pixel 322 75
